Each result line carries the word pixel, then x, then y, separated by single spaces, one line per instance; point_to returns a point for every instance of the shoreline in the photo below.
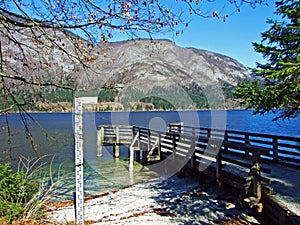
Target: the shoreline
pixel 126 111
pixel 161 201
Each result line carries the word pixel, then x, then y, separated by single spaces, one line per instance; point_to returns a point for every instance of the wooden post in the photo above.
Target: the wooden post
pixel 147 152
pixel 247 142
pixel 256 157
pixel 100 139
pixel 117 135
pixel 226 140
pixel 169 128
pixel 275 149
pixel 149 140
pixel 139 140
pixel 193 148
pixel 131 151
pixel 159 145
pixel 138 155
pixel 131 158
pixel 209 133
pixel 145 157
pixel 173 145
pixel 181 128
pixel 193 131
pixel 116 150
pixel 219 167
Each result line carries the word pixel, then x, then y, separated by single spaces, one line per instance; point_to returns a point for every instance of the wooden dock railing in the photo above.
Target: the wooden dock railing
pixel 205 144
pixel 277 149
pixel 210 150
pixel 202 147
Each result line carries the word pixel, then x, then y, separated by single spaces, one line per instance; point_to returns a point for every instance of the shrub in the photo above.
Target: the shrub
pixel 22 192
pixel 15 192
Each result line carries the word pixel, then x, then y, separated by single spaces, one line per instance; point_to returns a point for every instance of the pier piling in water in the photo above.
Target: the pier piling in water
pixel 116 150
pixel 100 140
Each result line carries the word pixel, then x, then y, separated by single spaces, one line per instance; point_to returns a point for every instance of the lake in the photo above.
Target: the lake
pixel 52 134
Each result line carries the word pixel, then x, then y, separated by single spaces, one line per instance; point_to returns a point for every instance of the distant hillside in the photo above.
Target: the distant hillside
pixel 164 76
pixel 151 62
pixel 137 74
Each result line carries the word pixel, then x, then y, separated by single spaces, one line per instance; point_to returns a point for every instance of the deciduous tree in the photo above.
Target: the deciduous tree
pixel 43 42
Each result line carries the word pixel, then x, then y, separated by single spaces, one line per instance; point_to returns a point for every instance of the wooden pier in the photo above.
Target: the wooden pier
pixel 210 151
pixel 236 147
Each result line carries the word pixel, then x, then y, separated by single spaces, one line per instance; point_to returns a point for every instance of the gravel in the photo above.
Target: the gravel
pixel 160 201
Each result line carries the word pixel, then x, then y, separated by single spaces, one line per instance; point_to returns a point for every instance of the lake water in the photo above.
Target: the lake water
pixel 52 134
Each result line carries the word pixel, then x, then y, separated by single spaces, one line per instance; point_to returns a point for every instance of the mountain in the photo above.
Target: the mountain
pixel 157 62
pixel 142 68
pixel 136 73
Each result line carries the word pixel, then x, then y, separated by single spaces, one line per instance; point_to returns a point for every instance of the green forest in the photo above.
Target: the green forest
pixel 158 98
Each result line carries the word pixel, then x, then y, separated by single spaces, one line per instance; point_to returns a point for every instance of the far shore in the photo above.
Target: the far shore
pixel 120 111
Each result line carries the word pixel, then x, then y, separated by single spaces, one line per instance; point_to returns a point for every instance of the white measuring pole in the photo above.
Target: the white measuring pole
pixel 78 132
pixel 79 161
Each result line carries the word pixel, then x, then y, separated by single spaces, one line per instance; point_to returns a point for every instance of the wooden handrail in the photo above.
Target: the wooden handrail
pixel 283 149
pixel 244 145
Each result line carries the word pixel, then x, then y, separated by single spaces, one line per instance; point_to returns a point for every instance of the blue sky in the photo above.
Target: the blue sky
pixel 232 38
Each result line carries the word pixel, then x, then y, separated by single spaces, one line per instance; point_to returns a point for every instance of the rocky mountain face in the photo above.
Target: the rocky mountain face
pixel 149 63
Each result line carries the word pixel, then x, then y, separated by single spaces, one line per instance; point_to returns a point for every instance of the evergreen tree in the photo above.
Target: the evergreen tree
pixel 277 85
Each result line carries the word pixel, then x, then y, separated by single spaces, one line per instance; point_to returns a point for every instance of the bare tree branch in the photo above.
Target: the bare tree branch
pixel 8 109
pixel 46 44
pixel 36 83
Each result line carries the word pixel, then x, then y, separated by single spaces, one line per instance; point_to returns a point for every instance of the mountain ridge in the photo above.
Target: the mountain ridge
pixel 142 58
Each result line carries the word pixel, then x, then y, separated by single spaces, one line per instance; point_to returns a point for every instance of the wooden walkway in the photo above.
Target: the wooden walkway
pixel 210 151
pixel 236 147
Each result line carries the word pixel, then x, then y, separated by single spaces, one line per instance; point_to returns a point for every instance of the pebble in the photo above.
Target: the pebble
pixel 229 205
pixel 250 219
pixel 205 210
